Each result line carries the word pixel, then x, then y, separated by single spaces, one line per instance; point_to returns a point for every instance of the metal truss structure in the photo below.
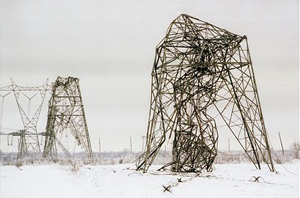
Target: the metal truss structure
pixel 202 72
pixel 29 140
pixel 66 112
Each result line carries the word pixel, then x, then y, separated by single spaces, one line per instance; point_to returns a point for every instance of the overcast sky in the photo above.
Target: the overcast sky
pixel 110 47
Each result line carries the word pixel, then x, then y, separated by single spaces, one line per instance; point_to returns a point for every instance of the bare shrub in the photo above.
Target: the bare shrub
pixel 295 147
pixel 19 164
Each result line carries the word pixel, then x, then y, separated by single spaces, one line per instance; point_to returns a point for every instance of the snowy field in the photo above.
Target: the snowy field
pixel 227 180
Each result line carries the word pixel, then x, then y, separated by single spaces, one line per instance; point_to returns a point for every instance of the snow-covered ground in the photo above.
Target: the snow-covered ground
pixel 227 180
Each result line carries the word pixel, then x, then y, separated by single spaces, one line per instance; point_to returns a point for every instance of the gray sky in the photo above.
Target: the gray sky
pixel 110 46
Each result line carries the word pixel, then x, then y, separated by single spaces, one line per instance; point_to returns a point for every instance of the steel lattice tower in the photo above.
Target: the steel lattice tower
pixel 29 140
pixel 66 112
pixel 200 69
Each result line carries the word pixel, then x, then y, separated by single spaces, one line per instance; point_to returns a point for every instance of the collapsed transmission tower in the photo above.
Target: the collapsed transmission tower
pixel 29 140
pixel 66 112
pixel 202 72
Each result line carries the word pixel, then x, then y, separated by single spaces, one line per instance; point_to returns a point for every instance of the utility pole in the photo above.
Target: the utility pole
pixel 130 146
pixel 100 151
pixel 281 143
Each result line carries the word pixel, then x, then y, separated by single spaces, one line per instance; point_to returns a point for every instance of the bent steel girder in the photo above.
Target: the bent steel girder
pixel 66 112
pixel 198 68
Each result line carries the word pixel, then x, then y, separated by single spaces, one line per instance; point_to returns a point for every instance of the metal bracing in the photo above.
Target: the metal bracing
pixel 200 69
pixel 66 112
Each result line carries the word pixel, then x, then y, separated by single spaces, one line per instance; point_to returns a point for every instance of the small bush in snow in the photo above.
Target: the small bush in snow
pixel 296 149
pixel 19 164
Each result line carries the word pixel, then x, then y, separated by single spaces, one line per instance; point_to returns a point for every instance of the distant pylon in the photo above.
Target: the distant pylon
pixel 66 112
pixel 28 136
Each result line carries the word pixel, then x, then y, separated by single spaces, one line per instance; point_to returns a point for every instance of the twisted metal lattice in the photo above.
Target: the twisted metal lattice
pixel 202 72
pixel 66 112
